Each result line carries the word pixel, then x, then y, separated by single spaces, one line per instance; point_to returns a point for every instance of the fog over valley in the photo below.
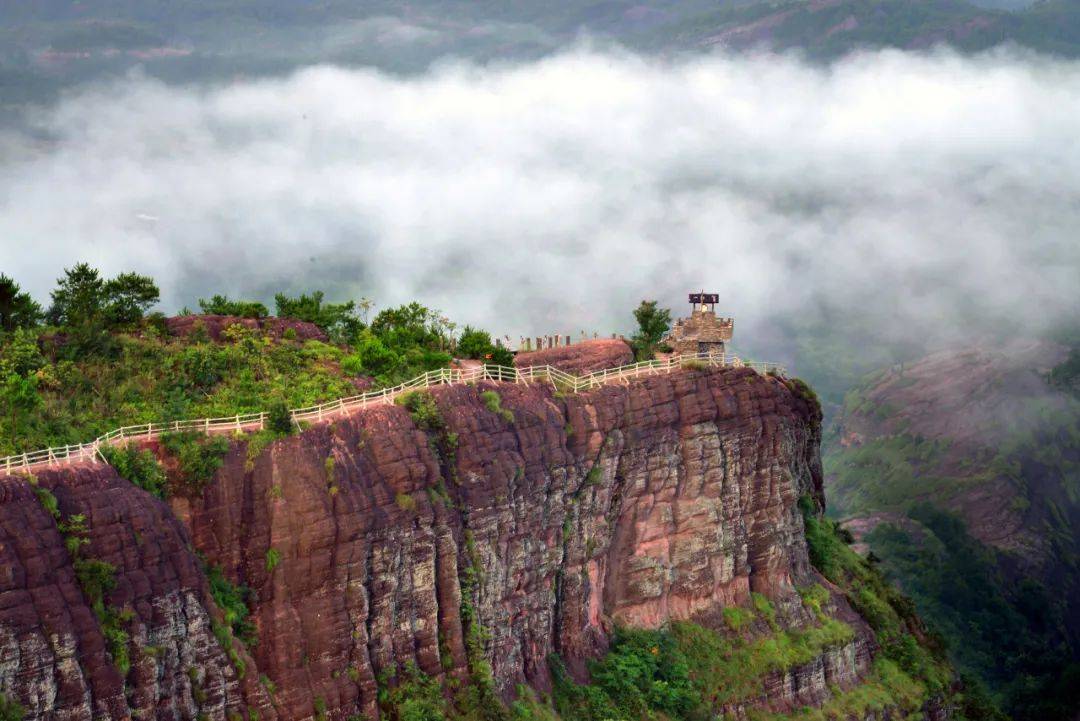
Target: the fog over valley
pixel 931 194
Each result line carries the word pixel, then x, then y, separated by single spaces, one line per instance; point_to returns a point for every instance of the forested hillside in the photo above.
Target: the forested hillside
pixel 960 473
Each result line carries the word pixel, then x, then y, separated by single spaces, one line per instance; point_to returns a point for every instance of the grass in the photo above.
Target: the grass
pixel 493 403
pixel 140 467
pixel 149 379
pixel 198 457
pixel 889 613
pixel 231 600
pixel 10 709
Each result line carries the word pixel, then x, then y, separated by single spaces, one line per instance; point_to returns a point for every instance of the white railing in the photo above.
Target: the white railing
pixel 444 376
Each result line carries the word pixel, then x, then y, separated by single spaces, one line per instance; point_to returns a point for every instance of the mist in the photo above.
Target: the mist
pixel 921 197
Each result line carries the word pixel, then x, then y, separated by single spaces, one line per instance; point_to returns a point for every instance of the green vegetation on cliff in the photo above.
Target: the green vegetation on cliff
pixel 102 362
pixel 1006 611
pixel 1010 636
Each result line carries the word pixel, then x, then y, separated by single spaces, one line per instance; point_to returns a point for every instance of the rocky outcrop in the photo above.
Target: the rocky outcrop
pixel 580 359
pixel 214 325
pixel 53 654
pixel 374 540
pixel 668 499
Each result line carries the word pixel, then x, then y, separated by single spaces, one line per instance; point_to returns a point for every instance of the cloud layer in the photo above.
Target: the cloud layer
pixel 927 191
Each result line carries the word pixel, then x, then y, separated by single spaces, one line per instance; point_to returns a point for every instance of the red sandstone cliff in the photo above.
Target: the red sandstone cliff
pixel 669 498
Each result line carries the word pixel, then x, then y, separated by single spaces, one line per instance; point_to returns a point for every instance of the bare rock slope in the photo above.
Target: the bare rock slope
pixel 384 538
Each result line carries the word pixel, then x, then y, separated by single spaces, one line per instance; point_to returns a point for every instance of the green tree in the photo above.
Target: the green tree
pixel 17 309
pixel 340 320
pixel 221 305
pixel 87 305
pixel 19 396
pixel 278 418
pixel 375 357
pixel 501 356
pixel 653 323
pixel 79 298
pixel 20 354
pixel 408 326
pixel 474 343
pixel 128 297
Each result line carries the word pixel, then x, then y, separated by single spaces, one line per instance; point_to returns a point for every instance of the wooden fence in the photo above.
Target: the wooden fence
pixel 443 376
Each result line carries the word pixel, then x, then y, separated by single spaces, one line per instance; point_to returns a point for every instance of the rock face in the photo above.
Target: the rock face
pixel 581 359
pixel 370 542
pixel 52 650
pixel 184 325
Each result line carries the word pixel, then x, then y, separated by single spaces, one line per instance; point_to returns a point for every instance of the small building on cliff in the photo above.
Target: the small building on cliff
pixel 703 331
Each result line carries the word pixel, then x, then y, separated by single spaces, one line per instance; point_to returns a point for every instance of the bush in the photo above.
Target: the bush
pixel 501 356
pixel 278 417
pixel 423 409
pixel 416 697
pixel 221 305
pixel 474 343
pixel 48 501
pixel 273 558
pixel 493 403
pixel 198 456
pixel 10 709
pixel 138 466
pixel 644 675
pixel 352 364
pixel 231 599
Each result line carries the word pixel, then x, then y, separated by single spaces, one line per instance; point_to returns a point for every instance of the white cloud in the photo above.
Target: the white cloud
pixel 551 196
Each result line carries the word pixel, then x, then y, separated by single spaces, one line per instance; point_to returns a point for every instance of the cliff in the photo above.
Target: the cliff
pixel 960 470
pixel 481 528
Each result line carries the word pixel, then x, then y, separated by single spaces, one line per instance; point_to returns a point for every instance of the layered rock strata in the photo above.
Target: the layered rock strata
pixel 366 541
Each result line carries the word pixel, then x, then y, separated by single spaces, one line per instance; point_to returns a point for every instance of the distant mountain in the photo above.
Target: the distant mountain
pixel 47 45
pixel 962 471
pixel 826 29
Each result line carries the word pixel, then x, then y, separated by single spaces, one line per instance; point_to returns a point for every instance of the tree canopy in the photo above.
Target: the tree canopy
pixel 653 323
pixel 17 308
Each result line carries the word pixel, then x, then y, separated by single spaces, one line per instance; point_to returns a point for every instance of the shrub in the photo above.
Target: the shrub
pixel 644 675
pixel 592 478
pixel 198 456
pixel 96 578
pixel 493 403
pixel 232 600
pixel 278 417
pixel 221 305
pixel 405 502
pixel 352 364
pixel 416 697
pixel 423 409
pixel 273 558
pixel 501 356
pixel 474 343
pixel 138 466
pixel 48 501
pixel 10 709
pixel 737 618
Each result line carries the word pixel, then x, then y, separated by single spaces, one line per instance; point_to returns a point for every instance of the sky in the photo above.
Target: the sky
pixel 931 194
